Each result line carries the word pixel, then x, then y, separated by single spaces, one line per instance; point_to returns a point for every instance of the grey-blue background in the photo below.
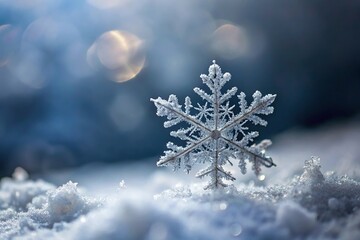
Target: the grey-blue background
pixel 56 111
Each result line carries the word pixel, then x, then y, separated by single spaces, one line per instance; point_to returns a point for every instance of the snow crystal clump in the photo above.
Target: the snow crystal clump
pixel 16 193
pixel 27 206
pixel 329 195
pixel 66 203
pixel 312 173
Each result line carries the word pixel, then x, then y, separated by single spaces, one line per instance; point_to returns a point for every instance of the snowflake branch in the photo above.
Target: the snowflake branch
pixel 183 115
pixel 204 172
pixel 245 116
pixel 185 151
pixel 215 184
pixel 226 174
pixel 264 161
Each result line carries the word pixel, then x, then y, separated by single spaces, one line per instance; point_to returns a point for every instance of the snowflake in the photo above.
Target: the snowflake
pixel 214 134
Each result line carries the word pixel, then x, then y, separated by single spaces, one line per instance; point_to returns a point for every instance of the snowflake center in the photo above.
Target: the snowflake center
pixel 215 134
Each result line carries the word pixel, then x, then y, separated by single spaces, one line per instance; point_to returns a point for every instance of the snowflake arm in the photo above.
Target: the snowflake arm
pixel 216 134
pixel 175 115
pixel 260 105
pixel 172 109
pixel 254 152
pixel 179 152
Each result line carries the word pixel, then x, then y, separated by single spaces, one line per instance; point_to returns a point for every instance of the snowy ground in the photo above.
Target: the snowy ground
pixel 287 202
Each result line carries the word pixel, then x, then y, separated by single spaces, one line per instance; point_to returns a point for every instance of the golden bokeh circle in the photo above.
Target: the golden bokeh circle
pixel 120 53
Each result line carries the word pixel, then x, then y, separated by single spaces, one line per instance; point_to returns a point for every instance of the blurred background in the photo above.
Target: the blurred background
pixel 76 76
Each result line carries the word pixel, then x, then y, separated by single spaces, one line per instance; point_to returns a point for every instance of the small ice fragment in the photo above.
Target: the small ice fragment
pixel 312 171
pixel 20 174
pixel 83 219
pixel 223 206
pixel 235 229
pixel 122 184
pixel 261 177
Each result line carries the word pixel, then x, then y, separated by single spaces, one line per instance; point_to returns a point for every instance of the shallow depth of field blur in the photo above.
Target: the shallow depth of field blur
pixel 76 76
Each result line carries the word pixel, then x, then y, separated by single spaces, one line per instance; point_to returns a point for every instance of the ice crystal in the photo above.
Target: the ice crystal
pixel 215 134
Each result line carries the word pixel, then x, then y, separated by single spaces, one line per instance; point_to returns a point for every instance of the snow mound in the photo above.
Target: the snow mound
pixel 27 205
pixel 313 205
pixel 296 219
pixel 16 193
pixel 66 203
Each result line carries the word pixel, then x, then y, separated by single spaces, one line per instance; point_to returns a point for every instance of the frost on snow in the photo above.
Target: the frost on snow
pixel 26 205
pixel 313 205
pixel 215 134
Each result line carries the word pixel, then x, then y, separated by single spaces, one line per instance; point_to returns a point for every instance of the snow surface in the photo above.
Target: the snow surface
pixel 296 200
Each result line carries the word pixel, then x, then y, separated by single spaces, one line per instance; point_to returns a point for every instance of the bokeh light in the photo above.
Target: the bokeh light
pixel 49 34
pixel 230 41
pixel 27 3
pixel 261 177
pixel 121 53
pixel 42 37
pixel 105 4
pixel 75 62
pixel 30 69
pixel 8 36
pixel 235 229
